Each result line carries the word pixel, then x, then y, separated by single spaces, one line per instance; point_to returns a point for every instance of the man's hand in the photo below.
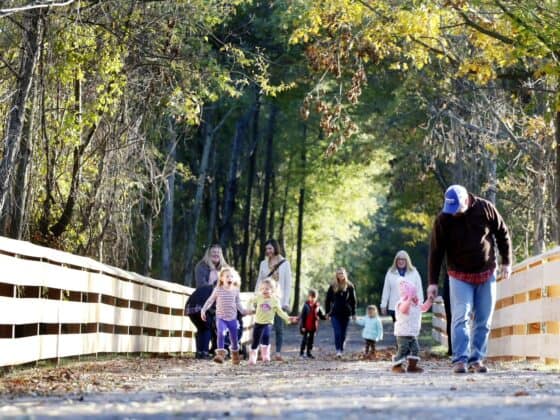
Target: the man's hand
pixel 506 271
pixel 384 311
pixel 203 316
pixel 432 291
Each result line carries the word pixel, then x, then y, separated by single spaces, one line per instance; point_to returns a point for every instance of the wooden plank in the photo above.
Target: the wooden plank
pixel 19 350
pixel 438 309
pixel 542 310
pixel 439 323
pixel 537 345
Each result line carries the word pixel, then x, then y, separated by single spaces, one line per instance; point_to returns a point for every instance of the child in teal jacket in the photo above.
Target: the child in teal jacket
pixel 372 332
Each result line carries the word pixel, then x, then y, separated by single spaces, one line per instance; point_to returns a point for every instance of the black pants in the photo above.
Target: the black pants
pixel 307 341
pixel 370 347
pixel 203 332
pixel 447 304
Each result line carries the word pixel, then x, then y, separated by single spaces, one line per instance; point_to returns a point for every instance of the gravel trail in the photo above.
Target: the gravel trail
pixel 324 388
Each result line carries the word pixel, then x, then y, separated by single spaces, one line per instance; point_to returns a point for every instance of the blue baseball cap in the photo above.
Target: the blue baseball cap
pixel 455 197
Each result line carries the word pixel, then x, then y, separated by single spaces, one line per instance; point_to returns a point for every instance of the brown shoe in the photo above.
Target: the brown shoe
pixel 398 369
pixel 235 357
pixel 413 366
pixel 278 357
pixel 478 367
pixel 220 356
pixel 459 367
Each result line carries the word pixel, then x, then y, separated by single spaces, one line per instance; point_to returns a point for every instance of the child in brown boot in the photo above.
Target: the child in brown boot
pixel 372 332
pixel 408 314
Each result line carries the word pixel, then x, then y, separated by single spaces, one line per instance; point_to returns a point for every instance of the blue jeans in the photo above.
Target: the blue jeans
pixel 478 299
pixel 278 332
pixel 339 324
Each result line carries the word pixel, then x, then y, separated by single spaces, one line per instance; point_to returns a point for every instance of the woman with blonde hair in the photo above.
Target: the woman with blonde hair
pixel 401 269
pixel 207 269
pixel 340 305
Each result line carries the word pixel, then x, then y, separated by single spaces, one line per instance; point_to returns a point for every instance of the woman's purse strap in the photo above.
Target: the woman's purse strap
pixel 275 268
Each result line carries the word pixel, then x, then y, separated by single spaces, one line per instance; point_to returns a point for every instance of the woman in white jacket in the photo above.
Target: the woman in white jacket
pixel 401 269
pixel 277 267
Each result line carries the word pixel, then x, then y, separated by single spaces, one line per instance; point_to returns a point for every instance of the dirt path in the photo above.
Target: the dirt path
pixel 323 388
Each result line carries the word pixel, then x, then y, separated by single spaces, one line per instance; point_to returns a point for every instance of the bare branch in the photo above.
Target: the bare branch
pixel 40 4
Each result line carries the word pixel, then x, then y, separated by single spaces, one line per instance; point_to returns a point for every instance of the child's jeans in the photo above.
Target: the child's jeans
pixel 307 341
pixel 231 326
pixel 407 346
pixel 261 335
pixel 370 346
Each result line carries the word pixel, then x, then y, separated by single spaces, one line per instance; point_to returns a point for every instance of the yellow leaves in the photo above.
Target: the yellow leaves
pixel 537 128
pixel 477 70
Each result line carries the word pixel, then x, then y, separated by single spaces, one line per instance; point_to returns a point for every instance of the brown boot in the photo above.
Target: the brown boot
pixel 235 357
pixel 413 366
pixel 398 368
pixel 220 356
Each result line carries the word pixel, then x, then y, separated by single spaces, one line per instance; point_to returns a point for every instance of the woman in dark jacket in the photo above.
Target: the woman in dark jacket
pixel 207 269
pixel 203 328
pixel 340 306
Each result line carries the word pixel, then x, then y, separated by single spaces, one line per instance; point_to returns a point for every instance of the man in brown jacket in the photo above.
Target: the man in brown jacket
pixel 466 233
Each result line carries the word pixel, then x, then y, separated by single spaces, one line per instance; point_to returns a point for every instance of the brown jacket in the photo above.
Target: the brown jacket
pixel 467 240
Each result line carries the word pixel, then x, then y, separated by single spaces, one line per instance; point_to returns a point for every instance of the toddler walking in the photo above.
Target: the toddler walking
pixel 309 322
pixel 408 313
pixel 267 305
pixel 372 332
pixel 228 302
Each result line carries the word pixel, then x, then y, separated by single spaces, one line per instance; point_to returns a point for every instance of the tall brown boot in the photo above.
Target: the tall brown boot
pixel 413 366
pixel 220 356
pixel 235 357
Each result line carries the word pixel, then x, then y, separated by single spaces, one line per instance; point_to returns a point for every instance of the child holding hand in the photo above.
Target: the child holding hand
pixel 228 302
pixel 372 332
pixel 309 322
pixel 408 313
pixel 267 305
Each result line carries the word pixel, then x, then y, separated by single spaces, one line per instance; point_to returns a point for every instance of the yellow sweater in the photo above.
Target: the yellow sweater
pixel 267 308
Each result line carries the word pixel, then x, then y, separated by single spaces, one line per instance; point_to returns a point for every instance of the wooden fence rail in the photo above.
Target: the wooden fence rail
pixel 54 304
pixel 526 322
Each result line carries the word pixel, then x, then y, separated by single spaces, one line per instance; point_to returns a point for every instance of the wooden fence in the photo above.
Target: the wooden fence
pixel 526 322
pixel 54 304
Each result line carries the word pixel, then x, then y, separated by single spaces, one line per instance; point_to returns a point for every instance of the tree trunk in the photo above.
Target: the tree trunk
pixel 268 173
pixel 22 186
pixel 31 40
pixel 301 209
pixel 246 224
pixel 192 227
pixel 273 198
pixel 147 213
pixel 60 226
pixel 213 205
pixel 169 205
pixel 557 175
pixel 281 235
pixel 226 231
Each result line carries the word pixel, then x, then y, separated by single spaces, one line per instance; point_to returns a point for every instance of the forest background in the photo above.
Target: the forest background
pixel 141 132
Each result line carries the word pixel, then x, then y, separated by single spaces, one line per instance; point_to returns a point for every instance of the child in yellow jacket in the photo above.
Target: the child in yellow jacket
pixel 267 305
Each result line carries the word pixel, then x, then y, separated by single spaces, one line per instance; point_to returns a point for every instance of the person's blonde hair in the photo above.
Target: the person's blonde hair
pixel 404 255
pixel 208 257
pixel 373 308
pixel 235 274
pixel 338 286
pixel 270 282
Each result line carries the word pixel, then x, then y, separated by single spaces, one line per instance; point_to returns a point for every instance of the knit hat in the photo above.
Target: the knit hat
pixel 455 198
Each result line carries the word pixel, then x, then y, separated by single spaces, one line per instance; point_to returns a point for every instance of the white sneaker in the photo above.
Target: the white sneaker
pixel 339 355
